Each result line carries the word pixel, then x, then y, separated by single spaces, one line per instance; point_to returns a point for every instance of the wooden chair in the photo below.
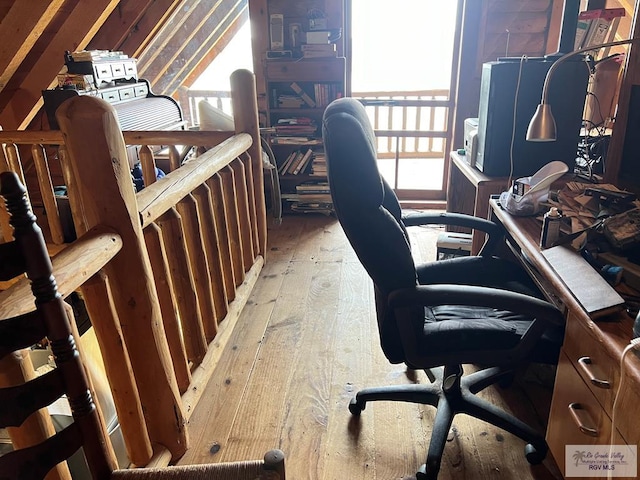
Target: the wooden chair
pixel 27 253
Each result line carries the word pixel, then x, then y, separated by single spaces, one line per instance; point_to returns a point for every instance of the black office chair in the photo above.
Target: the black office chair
pixel 468 310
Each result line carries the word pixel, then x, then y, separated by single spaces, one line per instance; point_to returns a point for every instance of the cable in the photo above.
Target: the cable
pixel 513 128
pixel 633 345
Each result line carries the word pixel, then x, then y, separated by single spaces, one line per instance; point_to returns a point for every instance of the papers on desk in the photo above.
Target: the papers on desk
pixel 592 292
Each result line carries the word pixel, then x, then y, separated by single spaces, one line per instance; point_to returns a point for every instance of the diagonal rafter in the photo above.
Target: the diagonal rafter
pixel 20 28
pixel 206 44
pixel 81 24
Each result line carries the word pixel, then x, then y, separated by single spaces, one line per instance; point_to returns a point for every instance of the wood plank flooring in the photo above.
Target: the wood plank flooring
pixel 305 343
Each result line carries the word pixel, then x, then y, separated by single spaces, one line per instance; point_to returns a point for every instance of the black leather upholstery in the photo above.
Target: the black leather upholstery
pixel 482 310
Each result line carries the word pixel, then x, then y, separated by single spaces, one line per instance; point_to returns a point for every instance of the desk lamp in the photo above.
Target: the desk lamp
pixel 542 127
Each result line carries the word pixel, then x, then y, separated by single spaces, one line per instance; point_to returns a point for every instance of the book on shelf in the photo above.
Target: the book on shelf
pixel 303 163
pixel 595 25
pixel 319 50
pixel 304 95
pixel 288 161
pixel 313 187
pixel 295 140
pixel 313 207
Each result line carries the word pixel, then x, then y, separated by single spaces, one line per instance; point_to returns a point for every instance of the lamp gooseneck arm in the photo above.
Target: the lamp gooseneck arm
pixel 566 56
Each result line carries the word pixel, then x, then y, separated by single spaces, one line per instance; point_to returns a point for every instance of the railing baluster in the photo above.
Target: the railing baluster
pixel 199 266
pixel 166 296
pixel 211 242
pixel 231 212
pixel 242 205
pixel 48 196
pixel 13 160
pixel 106 324
pixel 148 164
pixel 174 158
pixel 222 228
pixel 193 333
pixel 75 202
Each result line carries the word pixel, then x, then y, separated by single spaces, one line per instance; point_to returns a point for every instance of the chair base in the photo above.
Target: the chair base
pixel 451 393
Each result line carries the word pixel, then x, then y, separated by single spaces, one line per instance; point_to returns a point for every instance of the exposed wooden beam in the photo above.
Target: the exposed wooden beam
pixel 161 41
pixel 79 27
pixel 19 29
pixel 121 21
pixel 203 48
pixel 205 60
pixel 132 25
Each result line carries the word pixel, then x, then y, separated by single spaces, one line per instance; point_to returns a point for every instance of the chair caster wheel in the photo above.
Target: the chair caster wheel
pixel 356 407
pixel 534 455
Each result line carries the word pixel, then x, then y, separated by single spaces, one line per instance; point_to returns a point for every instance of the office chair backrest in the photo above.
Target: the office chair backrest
pixel 368 210
pixel 28 254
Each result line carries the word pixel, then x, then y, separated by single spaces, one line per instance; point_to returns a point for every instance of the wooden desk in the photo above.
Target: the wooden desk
pixel 469 190
pixel 588 372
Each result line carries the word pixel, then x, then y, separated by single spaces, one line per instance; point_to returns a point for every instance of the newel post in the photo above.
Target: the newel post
pixel 99 163
pixel 245 114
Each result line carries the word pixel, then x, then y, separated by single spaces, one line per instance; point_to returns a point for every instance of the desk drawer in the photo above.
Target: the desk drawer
pixel 590 359
pixel 576 417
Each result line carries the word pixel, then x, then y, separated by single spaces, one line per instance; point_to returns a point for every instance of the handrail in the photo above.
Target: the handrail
pixel 159 197
pixel 90 252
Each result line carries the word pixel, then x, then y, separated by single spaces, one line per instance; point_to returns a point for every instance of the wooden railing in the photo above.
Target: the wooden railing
pixel 408 124
pixel 189 99
pixel 193 244
pixel 411 124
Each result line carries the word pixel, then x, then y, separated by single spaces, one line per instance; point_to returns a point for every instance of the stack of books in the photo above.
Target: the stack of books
pixel 96 55
pixel 318 165
pixel 313 197
pixel 295 131
pixel 319 50
pixel 289 101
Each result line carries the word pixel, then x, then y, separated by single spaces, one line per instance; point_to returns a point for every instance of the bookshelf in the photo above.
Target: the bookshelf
pixel 295 83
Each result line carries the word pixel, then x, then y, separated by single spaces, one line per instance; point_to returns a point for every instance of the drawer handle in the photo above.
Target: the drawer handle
pixel 587 367
pixel 582 419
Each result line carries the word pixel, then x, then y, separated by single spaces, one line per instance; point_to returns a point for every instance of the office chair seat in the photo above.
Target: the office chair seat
pixel 437 316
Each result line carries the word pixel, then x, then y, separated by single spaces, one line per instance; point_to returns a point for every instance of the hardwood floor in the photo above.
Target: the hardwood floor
pixel 306 342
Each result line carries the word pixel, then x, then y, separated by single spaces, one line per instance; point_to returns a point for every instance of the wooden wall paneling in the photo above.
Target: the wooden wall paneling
pixel 468 76
pixel 120 24
pixel 20 27
pixel 214 33
pixel 630 77
pixel 80 25
pixel 144 30
pixel 555 24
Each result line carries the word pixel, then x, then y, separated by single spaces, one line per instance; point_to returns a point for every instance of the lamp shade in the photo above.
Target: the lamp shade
pixel 542 127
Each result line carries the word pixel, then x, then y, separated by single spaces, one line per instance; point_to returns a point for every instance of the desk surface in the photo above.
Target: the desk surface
pixel 589 374
pixel 615 331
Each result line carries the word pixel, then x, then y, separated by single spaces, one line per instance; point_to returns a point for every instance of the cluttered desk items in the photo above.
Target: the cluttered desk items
pixel 598 248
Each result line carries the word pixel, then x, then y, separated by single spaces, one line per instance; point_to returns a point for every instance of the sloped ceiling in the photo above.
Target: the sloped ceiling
pixel 173 40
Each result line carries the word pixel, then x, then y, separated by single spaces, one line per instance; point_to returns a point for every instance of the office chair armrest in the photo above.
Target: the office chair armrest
pixel 434 295
pixel 494 231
